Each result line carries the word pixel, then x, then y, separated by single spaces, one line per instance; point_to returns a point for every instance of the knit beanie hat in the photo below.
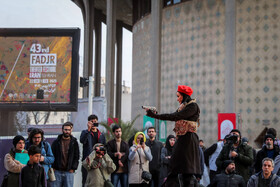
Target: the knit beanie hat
pixel 17 139
pixel 226 163
pixel 269 136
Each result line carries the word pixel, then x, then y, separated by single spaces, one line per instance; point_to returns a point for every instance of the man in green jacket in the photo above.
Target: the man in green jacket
pixel 241 153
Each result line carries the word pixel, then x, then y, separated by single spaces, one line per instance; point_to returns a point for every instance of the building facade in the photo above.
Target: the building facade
pixel 226 50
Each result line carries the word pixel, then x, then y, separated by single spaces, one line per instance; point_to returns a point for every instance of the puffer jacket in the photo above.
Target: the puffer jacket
pixel 254 180
pixel 13 167
pixel 134 166
pixel 242 162
pixel 225 180
pixel 93 166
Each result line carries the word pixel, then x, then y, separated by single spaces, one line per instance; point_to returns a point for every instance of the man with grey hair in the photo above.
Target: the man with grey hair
pixel 265 178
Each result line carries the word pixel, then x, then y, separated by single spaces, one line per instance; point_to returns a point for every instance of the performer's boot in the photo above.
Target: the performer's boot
pixel 187 180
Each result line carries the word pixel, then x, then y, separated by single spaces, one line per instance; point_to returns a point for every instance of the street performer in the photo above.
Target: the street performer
pixel 184 163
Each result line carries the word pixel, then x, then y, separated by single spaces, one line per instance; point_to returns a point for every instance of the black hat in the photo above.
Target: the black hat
pixel 17 139
pixel 30 129
pixel 226 163
pixel 269 136
pixel 244 139
pixel 236 130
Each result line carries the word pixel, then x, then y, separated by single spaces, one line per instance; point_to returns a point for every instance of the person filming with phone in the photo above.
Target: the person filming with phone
pixel 89 138
pixel 139 156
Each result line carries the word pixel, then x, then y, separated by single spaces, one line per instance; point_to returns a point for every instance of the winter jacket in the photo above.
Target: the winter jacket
pixel 94 165
pixel 276 169
pixel 46 151
pixel 13 167
pixel 254 180
pixel 134 165
pixel 242 162
pixel 227 180
pixel 112 149
pixel 88 141
pixel 33 175
pixel 73 154
pixel 155 147
pixel 263 154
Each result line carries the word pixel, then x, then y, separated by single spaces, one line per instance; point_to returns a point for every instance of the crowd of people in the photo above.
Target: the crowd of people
pixel 182 160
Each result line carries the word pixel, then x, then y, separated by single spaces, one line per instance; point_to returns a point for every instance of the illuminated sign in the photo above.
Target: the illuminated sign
pixel 39 69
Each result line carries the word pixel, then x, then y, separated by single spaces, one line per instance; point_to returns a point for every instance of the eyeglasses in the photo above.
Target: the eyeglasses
pixel 37 137
pixel 67 129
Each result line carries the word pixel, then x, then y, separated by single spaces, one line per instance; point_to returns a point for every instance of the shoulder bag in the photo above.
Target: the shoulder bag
pixel 107 182
pixel 147 176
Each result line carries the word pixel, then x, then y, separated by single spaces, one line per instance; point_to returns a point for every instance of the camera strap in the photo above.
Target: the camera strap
pixel 140 161
pixel 102 174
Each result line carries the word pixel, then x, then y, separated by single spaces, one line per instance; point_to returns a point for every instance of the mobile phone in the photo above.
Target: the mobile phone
pixel 141 141
pixel 95 124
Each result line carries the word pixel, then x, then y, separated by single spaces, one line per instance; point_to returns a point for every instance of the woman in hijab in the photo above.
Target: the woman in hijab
pixel 139 153
pixel 12 165
pixel 184 163
pixel 166 153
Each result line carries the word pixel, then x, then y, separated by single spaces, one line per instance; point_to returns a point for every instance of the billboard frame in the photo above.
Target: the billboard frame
pixel 38 105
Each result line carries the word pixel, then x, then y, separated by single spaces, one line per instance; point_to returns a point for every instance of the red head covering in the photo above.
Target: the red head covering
pixel 185 89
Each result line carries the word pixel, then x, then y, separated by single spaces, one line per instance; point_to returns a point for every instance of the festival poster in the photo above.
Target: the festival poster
pixel 29 64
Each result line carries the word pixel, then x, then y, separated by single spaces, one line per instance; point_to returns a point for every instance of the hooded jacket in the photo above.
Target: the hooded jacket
pixel 93 165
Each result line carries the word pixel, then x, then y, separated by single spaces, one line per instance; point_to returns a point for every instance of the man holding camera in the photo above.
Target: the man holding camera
pixel 89 138
pixel 241 153
pixel 99 166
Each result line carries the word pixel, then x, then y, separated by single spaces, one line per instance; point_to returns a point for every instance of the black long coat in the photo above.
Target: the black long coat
pixel 185 156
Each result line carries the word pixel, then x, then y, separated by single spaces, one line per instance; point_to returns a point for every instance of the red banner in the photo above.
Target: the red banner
pixel 226 122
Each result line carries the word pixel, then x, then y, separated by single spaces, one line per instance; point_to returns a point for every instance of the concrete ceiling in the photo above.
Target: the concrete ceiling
pixel 123 9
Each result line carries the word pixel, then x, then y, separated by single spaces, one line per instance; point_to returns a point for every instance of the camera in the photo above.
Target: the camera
pixel 232 139
pixel 141 141
pixel 95 124
pixel 101 149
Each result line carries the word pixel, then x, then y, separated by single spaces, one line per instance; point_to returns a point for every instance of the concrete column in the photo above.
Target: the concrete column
pixel 88 41
pixel 119 37
pixel 110 56
pixel 156 52
pixel 230 56
pixel 7 127
pixel 97 69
